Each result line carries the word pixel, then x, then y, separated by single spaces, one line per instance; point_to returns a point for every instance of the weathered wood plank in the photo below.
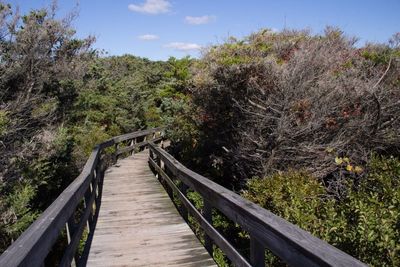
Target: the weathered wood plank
pixel 138 225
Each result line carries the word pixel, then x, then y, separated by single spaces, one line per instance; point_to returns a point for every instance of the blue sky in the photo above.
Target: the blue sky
pixel 158 29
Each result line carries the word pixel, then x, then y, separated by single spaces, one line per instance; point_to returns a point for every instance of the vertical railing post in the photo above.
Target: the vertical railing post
pixel 257 252
pixel 167 187
pixel 207 213
pixel 162 140
pixel 71 228
pixel 144 140
pixel 89 206
pixel 158 162
pixel 151 156
pixel 183 188
pixel 133 143
pixel 100 177
pixel 115 153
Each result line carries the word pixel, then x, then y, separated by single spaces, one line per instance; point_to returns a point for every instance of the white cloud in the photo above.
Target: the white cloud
pixel 148 37
pixel 151 7
pixel 200 20
pixel 183 46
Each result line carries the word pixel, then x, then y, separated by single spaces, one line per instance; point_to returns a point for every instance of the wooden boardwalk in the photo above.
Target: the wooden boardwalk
pixel 138 225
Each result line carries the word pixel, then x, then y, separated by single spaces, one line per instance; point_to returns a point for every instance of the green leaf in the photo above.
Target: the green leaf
pixel 349 168
pixel 338 161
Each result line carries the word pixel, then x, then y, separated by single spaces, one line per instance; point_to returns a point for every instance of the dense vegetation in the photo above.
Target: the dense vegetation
pixel 305 125
pixel 58 98
pixel 285 100
pixel 314 121
pixel 364 223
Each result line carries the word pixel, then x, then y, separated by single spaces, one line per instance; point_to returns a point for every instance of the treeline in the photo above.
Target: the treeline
pixel 58 98
pixel 308 127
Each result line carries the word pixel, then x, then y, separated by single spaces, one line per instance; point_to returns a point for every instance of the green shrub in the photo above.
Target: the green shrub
pixel 52 172
pixel 365 224
pixel 19 202
pixel 377 57
pixel 372 211
pixel 299 198
pixel 295 196
pixel 152 117
pixel 16 212
pixel 86 139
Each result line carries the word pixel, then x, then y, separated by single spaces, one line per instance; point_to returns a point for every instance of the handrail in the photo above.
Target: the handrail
pixel 293 245
pixel 33 246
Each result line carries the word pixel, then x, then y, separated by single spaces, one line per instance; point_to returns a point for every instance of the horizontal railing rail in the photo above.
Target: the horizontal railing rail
pixel 75 209
pixel 291 244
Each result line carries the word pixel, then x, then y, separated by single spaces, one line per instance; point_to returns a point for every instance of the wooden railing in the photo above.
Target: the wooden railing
pixel 291 244
pixel 76 209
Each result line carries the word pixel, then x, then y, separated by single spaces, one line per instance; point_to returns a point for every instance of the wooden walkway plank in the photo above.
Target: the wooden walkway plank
pixel 138 225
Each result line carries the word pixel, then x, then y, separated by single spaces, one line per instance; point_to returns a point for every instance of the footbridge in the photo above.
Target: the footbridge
pixel 122 211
